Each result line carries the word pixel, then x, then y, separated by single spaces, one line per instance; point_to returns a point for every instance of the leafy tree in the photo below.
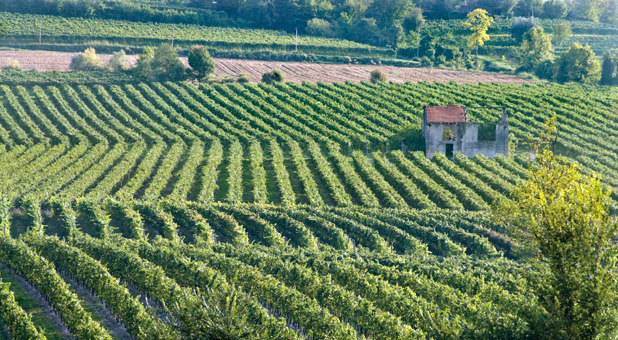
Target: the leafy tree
pixel 119 62
pixel 85 61
pixel 578 64
pixel 535 47
pixel 555 9
pixel 478 22
pixel 609 69
pixel 414 20
pixel 529 8
pixel 389 12
pixel 520 26
pixel 561 33
pixel 319 27
pixel 564 215
pixel 143 70
pixel 165 64
pixel 586 9
pixel 201 62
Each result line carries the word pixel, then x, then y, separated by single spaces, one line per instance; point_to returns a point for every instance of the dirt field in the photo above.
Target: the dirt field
pixel 296 72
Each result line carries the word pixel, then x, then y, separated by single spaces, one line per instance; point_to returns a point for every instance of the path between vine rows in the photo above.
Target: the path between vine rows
pixel 295 72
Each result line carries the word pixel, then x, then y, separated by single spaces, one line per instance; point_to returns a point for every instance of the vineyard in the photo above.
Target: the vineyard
pixel 126 207
pixel 27 29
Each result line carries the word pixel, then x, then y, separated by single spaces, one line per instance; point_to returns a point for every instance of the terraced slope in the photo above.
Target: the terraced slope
pixel 305 272
pixel 315 144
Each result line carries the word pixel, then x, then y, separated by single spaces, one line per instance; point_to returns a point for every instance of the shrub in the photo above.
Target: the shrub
pixel 201 62
pixel 242 78
pixel 85 61
pixel 377 76
pixel 119 62
pixel 273 76
pixel 578 64
pixel 11 64
pixel 320 27
pixel 161 64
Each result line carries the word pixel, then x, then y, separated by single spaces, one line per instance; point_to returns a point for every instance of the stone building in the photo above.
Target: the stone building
pixel 447 130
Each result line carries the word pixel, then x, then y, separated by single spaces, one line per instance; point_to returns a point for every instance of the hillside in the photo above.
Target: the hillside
pixel 181 138
pixel 293 198
pixel 295 72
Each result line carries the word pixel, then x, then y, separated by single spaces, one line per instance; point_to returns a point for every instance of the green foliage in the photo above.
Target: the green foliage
pixel 377 76
pixel 119 62
pixel 201 62
pixel 85 61
pixel 561 33
pixel 536 47
pixel 609 70
pixel 566 215
pixel 243 78
pixel 160 64
pixel 555 9
pixel 216 315
pixel 520 26
pixel 319 27
pixel 578 64
pixel 274 76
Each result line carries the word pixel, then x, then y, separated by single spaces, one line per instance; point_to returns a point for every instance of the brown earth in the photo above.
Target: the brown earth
pixel 295 72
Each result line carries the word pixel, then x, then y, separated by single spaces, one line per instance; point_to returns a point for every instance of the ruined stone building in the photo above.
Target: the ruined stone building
pixel 447 130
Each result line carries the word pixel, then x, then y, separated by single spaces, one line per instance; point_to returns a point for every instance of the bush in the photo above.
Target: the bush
pixel 545 69
pixel 161 64
pixel 85 61
pixel 320 27
pixel 11 64
pixel 578 64
pixel 377 76
pixel 520 26
pixel 242 78
pixel 555 9
pixel 273 76
pixel 119 62
pixel 201 62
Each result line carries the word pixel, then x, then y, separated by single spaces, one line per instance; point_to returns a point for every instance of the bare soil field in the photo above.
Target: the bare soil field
pixel 295 72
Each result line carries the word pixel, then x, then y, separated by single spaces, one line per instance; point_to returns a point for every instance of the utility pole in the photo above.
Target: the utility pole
pixel 296 49
pixel 173 35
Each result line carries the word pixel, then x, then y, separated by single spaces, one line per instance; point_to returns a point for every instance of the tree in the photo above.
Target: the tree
pixel 119 62
pixel 564 217
pixel 201 62
pixel 535 48
pixel 143 70
pixel 561 33
pixel 319 27
pixel 520 26
pixel 586 9
pixel 414 20
pixel 85 61
pixel 578 64
pixel 555 9
pixel 165 64
pixel 609 70
pixel 389 12
pixel 478 22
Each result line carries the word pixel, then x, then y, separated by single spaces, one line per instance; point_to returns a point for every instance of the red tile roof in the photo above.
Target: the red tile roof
pixel 446 114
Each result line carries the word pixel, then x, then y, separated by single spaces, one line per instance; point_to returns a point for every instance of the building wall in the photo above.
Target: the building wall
pixel 466 140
